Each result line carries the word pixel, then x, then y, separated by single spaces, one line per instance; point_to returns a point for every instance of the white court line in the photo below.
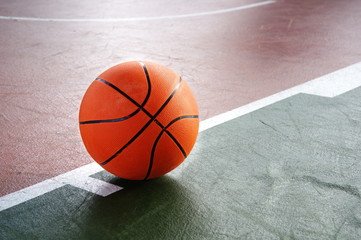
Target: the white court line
pixel 35 19
pixel 78 177
pixel 329 85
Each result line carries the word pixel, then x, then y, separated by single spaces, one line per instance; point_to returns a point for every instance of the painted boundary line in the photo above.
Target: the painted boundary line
pixel 35 19
pixel 329 85
pixel 78 178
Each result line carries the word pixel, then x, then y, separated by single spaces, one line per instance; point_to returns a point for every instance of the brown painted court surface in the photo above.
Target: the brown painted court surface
pixel 289 170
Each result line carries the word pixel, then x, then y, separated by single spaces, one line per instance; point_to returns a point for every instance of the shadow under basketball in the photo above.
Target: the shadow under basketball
pixel 153 209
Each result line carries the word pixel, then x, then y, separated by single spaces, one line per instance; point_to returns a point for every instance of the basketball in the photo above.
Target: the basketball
pixel 139 120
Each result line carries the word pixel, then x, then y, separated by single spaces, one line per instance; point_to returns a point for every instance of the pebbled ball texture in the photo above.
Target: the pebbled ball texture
pixel 139 120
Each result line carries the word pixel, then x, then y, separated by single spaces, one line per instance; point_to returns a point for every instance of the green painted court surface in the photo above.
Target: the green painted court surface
pixel 290 170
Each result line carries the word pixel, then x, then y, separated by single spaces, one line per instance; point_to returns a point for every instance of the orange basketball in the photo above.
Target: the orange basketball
pixel 139 120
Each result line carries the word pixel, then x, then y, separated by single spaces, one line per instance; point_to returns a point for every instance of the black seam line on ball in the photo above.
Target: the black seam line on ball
pixel 177 143
pixel 152 154
pixel 149 86
pixel 148 82
pixel 145 126
pixel 111 120
pixel 140 107
pixel 180 118
pixel 172 137
pixel 119 91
